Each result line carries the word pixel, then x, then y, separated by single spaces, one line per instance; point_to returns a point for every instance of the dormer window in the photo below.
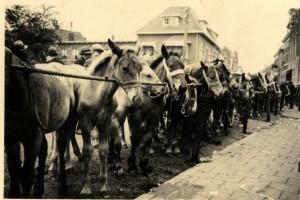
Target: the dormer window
pixel 170 21
pixel 166 21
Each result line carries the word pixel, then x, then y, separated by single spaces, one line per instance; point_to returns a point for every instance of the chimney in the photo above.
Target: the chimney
pixel 71 26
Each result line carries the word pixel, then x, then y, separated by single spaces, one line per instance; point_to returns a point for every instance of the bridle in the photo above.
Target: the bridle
pixel 215 83
pixel 170 76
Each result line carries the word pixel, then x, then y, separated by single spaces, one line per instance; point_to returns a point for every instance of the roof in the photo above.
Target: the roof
pixel 155 26
pixel 66 35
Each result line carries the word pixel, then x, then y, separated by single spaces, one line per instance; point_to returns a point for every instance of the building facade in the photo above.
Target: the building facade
pixel 71 42
pixel 179 29
pixel 287 56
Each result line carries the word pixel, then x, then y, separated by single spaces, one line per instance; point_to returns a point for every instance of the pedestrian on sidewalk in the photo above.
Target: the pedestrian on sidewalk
pixel 292 94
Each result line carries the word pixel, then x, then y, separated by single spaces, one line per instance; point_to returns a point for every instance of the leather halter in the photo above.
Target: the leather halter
pixel 170 75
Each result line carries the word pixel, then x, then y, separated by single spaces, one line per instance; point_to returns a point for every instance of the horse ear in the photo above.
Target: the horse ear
pixel 243 76
pixel 164 52
pixel 203 66
pixel 115 49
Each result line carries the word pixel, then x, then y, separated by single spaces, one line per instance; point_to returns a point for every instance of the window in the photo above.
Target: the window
pixel 166 21
pixel 170 21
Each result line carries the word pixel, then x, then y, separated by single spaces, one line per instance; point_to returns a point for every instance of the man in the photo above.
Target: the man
pixel 292 94
pixel 97 49
pixel 84 54
pixel 53 56
pixel 19 49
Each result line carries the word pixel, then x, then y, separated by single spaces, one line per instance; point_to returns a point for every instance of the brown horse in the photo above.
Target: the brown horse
pixel 56 103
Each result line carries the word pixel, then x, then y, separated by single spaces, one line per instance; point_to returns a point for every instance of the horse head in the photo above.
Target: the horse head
pixel 262 82
pixel 211 78
pixel 174 68
pixel 127 67
pixel 147 75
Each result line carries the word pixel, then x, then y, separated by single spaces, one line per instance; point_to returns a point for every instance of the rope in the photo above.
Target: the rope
pixel 94 78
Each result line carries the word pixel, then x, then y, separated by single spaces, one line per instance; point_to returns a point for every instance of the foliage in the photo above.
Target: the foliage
pixel 35 28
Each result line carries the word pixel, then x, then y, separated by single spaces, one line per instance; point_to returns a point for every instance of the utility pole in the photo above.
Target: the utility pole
pixel 186 23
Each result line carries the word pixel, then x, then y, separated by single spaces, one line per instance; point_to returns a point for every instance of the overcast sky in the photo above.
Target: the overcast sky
pixel 254 28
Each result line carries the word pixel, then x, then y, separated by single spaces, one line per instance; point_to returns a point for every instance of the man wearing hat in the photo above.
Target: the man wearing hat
pixel 19 49
pixel 97 49
pixel 84 54
pixel 53 56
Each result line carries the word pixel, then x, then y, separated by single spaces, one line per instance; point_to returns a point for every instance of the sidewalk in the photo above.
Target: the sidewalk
pixel 262 166
pixel 291 113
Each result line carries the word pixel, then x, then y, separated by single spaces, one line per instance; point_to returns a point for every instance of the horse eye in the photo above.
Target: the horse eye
pixel 148 76
pixel 125 69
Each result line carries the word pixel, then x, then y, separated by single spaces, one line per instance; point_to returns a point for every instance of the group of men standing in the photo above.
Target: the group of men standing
pixel 85 57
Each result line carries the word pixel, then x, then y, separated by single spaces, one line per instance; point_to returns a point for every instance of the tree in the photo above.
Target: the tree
pixel 35 28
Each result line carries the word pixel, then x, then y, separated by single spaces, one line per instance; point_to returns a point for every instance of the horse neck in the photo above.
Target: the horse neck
pixel 161 72
pixel 97 94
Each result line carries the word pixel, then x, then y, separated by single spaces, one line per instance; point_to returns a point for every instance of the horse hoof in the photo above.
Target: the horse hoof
pixel 86 189
pixel 120 171
pixel 176 151
pixel 168 151
pixel 52 167
pixel 69 165
pixel 104 188
pixel 151 152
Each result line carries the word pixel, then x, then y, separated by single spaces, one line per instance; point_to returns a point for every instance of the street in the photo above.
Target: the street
pixel 265 165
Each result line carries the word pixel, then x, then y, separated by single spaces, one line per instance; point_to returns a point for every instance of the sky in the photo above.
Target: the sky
pixel 253 28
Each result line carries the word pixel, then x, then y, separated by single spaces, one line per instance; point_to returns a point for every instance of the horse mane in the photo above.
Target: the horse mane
pixel 100 61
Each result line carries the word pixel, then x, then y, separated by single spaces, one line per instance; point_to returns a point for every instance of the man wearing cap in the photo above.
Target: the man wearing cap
pixel 84 54
pixel 19 49
pixel 53 56
pixel 97 49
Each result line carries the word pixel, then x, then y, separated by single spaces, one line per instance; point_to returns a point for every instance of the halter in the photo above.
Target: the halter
pixel 170 75
pixel 217 82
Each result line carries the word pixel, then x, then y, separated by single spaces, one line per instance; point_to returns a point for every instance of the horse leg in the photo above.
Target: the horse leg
pixel 177 131
pixel 197 132
pixel 32 146
pixel 169 135
pixel 87 153
pixel 76 149
pixel 103 152
pixel 39 183
pixel 117 145
pixel 135 141
pixel 14 167
pixel 63 139
pixel 268 108
pixel 144 156
pixel 54 153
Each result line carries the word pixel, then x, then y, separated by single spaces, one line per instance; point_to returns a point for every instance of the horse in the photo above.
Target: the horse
pixel 223 106
pixel 204 86
pixel 170 69
pixel 56 104
pixel 260 89
pixel 152 102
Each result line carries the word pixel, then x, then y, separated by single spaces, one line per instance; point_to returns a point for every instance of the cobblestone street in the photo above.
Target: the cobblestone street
pixel 264 165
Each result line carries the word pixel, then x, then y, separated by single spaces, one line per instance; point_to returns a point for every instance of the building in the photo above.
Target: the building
pixel 179 29
pixel 287 56
pixel 71 42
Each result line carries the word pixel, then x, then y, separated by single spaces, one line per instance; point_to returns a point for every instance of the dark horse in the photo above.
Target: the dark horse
pixel 204 86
